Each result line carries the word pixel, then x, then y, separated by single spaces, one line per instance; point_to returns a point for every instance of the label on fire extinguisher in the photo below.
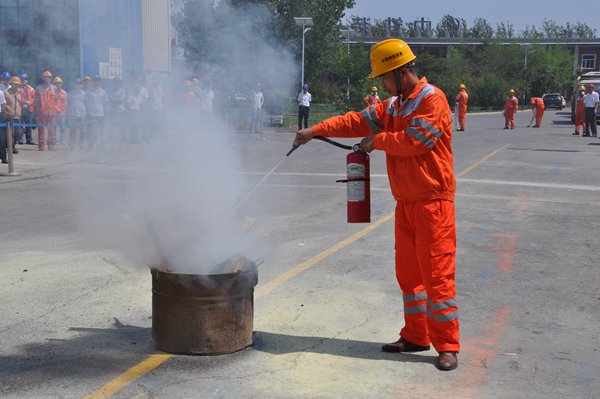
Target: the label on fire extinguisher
pixel 356 189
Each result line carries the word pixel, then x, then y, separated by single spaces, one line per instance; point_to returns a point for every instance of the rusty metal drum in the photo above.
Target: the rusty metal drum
pixel 202 314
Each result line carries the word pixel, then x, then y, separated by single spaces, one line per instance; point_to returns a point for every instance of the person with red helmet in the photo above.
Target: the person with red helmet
pixel 414 129
pixel 591 107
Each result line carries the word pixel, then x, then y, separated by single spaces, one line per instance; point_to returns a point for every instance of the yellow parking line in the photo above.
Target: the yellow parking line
pixel 129 376
pixel 155 360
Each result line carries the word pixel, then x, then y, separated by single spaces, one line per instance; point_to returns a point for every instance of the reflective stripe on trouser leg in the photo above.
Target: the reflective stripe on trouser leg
pixel 425 255
pixel 41 131
pixel 51 137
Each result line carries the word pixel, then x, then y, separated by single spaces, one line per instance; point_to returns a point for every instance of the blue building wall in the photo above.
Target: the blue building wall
pixel 111 23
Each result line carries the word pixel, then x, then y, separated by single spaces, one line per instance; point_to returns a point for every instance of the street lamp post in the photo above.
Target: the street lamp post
pixel 304 21
pixel 525 72
pixel 348 32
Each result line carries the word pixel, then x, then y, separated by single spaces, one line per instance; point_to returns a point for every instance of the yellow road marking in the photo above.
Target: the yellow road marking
pixel 129 376
pixel 484 159
pixel 155 360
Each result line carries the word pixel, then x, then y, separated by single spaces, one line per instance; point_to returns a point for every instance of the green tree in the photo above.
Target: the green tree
pixel 448 27
pixel 481 29
pixel 505 31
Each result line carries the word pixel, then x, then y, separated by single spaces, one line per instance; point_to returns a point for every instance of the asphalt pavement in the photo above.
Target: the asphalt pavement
pixel 77 309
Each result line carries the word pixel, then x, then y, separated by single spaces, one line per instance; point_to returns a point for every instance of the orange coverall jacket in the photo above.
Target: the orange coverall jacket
pixel 30 96
pixel 45 100
pixel 511 105
pixel 462 99
pixel 415 135
pixel 371 100
pixel 61 102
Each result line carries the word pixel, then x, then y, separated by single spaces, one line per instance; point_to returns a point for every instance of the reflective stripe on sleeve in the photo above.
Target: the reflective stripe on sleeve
pixel 420 136
pixel 442 305
pixel 427 126
pixel 419 296
pixel 370 116
pixel 443 317
pixel 415 309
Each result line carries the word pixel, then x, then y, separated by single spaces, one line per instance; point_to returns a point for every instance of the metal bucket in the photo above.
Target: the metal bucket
pixel 203 314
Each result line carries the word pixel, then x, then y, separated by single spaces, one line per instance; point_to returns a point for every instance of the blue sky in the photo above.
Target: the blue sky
pixel 519 13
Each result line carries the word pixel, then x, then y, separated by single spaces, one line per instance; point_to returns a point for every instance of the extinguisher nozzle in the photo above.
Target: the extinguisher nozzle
pixel 294 148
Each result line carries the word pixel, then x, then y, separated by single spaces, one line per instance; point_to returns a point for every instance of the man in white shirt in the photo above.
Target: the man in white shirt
pixel 134 103
pixel 591 107
pixel 257 103
pixel 208 96
pixel 304 100
pixel 95 98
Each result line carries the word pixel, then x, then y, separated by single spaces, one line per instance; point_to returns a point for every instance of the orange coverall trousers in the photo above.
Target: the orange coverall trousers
pixel 425 255
pixel 462 111
pixel 46 120
pixel 539 114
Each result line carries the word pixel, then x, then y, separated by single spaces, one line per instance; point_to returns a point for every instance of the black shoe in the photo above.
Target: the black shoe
pixel 534 126
pixel 41 149
pixel 585 135
pixel 403 345
pixel 4 161
pixel 30 143
pixel 51 149
pixel 576 134
pixel 15 151
pixel 20 142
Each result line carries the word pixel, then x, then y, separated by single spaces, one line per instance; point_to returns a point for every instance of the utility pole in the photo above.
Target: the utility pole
pixel 303 21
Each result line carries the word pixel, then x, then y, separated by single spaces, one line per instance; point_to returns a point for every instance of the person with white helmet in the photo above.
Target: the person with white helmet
pixel 76 115
pixel 95 100
pixel 580 112
pixel 258 100
pixel 304 100
pixel 591 108
pixel 414 129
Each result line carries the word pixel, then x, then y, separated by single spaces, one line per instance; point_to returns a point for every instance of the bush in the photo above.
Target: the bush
pixel 276 101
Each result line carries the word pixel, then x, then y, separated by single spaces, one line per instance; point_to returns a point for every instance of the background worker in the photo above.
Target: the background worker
pixel 208 98
pixel 27 108
pixel 134 104
pixel 196 88
pixel 372 98
pixel 258 100
pixel 591 107
pixel 189 97
pixel 462 99
pixel 414 128
pixel 11 111
pixel 2 131
pixel 95 99
pixel 87 84
pixel 537 107
pixel 117 111
pixel 45 102
pixel 76 113
pixel 156 105
pixel 304 100
pixel 61 114
pixel 580 112
pixel 5 78
pixel 510 109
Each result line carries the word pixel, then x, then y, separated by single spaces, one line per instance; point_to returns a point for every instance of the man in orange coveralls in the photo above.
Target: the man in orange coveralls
pixel 45 102
pixel 510 109
pixel 537 104
pixel 580 112
pixel 414 128
pixel 462 99
pixel 372 98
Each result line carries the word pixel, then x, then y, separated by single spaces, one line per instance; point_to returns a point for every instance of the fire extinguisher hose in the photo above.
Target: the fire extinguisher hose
pixel 335 143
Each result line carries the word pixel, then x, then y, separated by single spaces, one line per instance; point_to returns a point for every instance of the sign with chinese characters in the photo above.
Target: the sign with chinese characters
pixel 116 62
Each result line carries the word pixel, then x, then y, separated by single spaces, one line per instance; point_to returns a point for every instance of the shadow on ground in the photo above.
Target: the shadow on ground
pixel 280 344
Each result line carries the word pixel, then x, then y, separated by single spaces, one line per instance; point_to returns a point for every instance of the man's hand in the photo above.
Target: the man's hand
pixel 367 144
pixel 304 136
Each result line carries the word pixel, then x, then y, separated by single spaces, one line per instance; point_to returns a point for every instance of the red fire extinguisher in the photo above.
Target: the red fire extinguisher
pixel 358 179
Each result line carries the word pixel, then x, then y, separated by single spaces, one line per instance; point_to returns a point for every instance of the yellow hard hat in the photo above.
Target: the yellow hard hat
pixel 388 55
pixel 374 88
pixel 47 73
pixel 194 80
pixel 15 80
pixel 57 80
pixel 582 88
pixel 87 78
pixel 462 86
pixel 511 91
pixel 188 83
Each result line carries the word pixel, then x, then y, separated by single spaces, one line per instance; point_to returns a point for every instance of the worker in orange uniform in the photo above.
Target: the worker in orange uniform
pixel 61 114
pixel 372 98
pixel 537 106
pixel 414 128
pixel 45 102
pixel 462 99
pixel 510 109
pixel 580 111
